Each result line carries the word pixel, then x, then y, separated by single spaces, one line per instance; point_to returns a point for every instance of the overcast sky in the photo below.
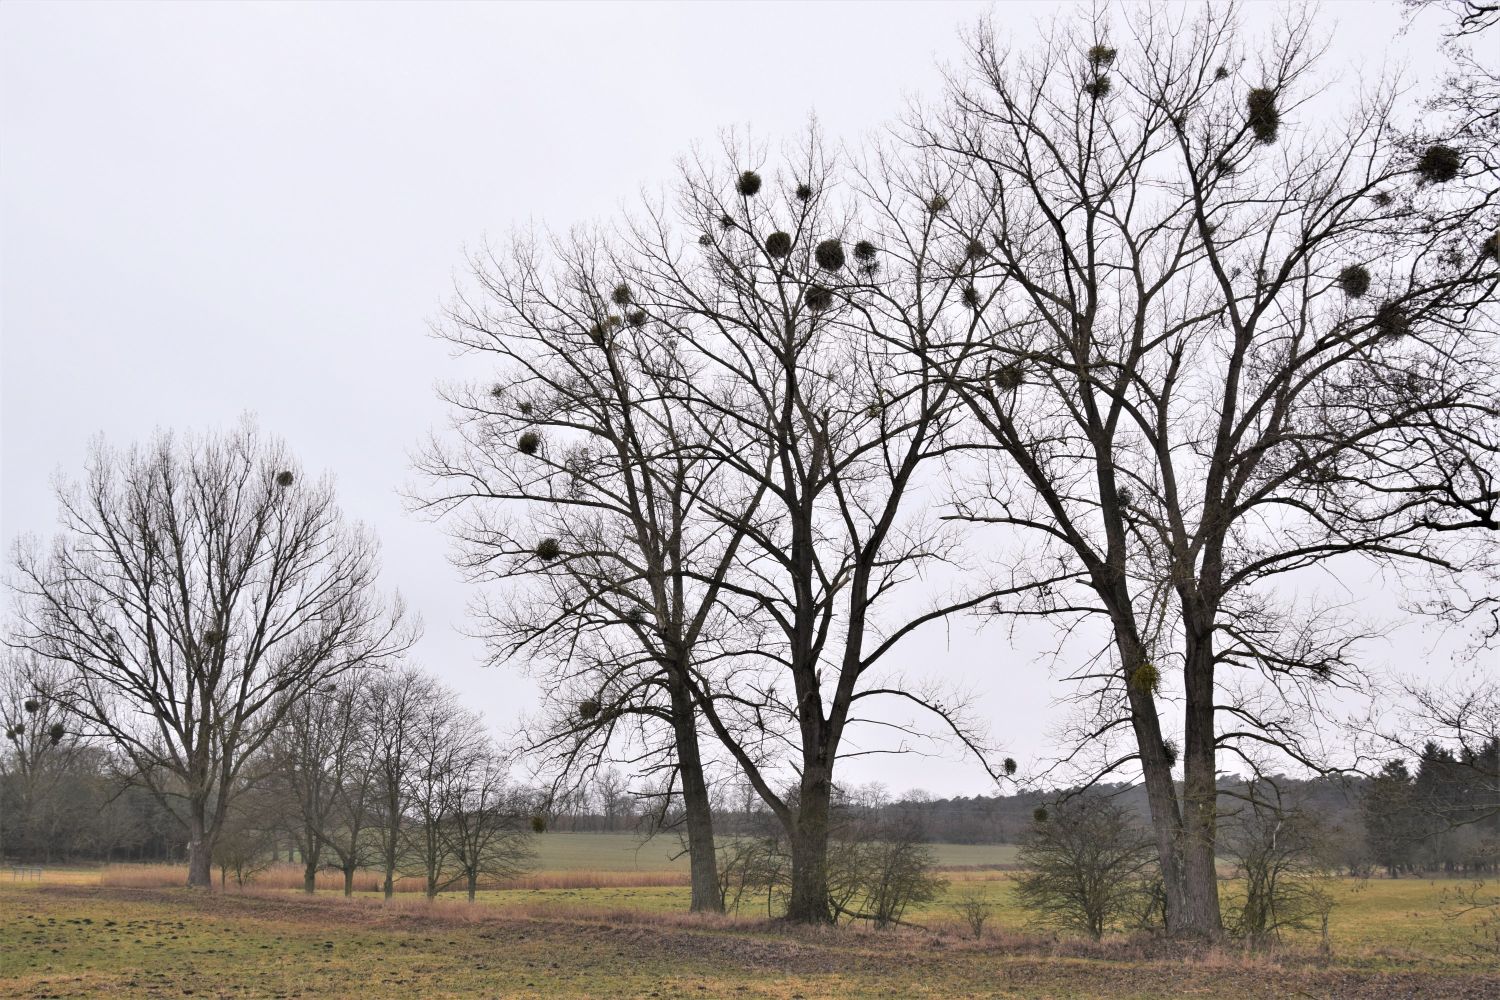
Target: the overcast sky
pixel 215 209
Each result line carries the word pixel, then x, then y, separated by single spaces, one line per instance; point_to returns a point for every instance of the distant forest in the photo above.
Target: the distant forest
pixel 1421 816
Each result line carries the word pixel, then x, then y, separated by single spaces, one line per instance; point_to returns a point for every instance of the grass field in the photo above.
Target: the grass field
pixel 70 935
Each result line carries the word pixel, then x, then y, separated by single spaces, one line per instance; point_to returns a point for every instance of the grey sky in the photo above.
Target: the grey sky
pixel 213 209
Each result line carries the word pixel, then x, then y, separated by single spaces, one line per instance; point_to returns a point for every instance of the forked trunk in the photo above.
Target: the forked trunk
pixel 1200 916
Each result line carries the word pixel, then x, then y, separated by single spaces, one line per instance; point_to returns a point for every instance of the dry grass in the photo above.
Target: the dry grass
pixel 289 876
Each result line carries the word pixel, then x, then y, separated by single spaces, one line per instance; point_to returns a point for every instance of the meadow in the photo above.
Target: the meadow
pixel 603 917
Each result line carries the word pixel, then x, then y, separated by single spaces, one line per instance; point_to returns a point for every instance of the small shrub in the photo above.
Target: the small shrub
pixel 974 910
pixel 1439 164
pixel 1354 280
pixel 1264 118
pixel 284 478
pixel 538 823
pixel 1101 55
pixel 548 549
pixel 818 298
pixel 779 244
pixel 1391 321
pixel 829 254
pixel 749 184
pixel 1099 87
pixel 1085 872
pixel 1039 814
pixel 529 443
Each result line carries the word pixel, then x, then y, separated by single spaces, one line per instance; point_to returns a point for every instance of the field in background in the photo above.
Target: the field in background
pixel 564 861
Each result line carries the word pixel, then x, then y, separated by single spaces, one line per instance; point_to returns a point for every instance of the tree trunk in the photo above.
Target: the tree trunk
pixel 703 859
pixel 1200 916
pixel 200 866
pixel 348 879
pixel 473 885
pixel 809 898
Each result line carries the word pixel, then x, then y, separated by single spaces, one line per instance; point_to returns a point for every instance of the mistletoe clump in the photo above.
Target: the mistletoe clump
pixel 971 296
pixel 1145 678
pixel 588 708
pixel 1439 164
pixel 621 296
pixel 1354 280
pixel 529 443
pixel 779 244
pixel 1101 55
pixel 548 549
pixel 1391 321
pixel 1099 87
pixel 748 184
pixel 864 252
pixel 1009 377
pixel 284 478
pixel 818 298
pixel 975 250
pixel 937 204
pixel 1264 118
pixel 829 254
pixel 803 192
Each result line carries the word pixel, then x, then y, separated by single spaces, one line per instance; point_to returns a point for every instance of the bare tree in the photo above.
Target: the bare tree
pixel 397 705
pixel 576 473
pixel 780 307
pixel 486 833
pixel 198 587
pixel 1221 345
pixel 319 764
pixel 448 752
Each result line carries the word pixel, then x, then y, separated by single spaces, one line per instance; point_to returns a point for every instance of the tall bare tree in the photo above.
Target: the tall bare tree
pixel 576 473
pixel 1229 339
pixel 198 587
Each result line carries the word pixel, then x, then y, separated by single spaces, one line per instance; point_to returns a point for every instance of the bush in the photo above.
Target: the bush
pixel 1282 882
pixel 974 910
pixel 1087 866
